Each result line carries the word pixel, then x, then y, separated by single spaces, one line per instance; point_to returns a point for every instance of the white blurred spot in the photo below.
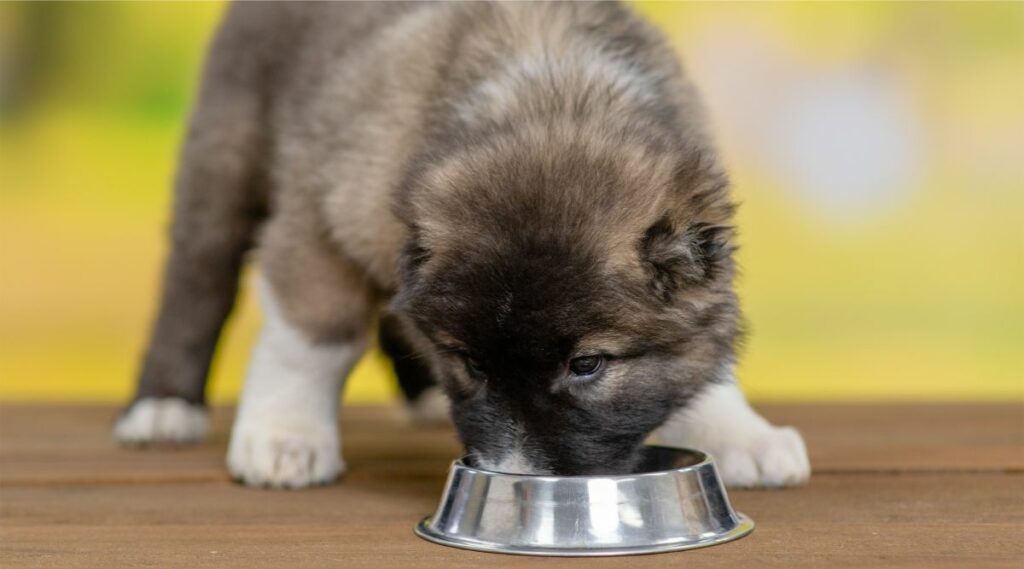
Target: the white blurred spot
pixel 847 144
pixel 843 139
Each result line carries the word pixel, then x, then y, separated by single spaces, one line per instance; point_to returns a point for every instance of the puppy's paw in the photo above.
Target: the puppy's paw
pixel 771 457
pixel 294 457
pixel 748 450
pixel 167 420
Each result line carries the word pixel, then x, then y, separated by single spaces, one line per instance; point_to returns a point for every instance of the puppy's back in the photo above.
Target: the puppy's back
pixel 358 95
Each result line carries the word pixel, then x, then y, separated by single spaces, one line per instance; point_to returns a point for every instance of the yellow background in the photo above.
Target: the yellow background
pixel 917 298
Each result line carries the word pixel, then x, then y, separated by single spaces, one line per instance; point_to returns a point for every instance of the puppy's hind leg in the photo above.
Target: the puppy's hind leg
pixel 749 451
pixel 425 400
pixel 219 203
pixel 317 310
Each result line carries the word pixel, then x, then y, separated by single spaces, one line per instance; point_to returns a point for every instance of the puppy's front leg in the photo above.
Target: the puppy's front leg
pixel 749 450
pixel 317 312
pixel 285 434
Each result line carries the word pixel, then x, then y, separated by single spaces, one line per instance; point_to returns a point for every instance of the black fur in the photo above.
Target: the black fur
pixel 414 376
pixel 520 314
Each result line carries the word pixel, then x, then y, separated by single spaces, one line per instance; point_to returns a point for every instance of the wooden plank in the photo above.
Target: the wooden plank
pixel 840 520
pixel 72 444
pixel 903 486
pixel 908 437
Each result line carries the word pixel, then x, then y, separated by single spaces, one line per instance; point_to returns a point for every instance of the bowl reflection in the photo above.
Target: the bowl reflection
pixel 675 501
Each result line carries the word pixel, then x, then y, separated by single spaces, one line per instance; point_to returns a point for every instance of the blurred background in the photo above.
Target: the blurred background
pixel 877 150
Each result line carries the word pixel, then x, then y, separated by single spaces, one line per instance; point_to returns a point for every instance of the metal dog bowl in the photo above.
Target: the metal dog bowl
pixel 675 501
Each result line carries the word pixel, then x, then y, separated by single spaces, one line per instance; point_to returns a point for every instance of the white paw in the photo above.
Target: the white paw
pixel 430 408
pixel 285 457
pixel 748 450
pixel 161 420
pixel 770 458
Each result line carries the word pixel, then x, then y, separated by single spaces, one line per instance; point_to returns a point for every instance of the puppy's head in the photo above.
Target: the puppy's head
pixel 573 299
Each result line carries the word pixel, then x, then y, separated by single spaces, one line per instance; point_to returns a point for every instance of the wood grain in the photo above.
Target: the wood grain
pixel 899 486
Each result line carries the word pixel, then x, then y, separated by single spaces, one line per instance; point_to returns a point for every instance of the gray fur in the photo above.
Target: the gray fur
pixel 551 158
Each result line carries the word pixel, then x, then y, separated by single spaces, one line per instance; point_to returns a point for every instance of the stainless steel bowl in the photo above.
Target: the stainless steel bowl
pixel 675 501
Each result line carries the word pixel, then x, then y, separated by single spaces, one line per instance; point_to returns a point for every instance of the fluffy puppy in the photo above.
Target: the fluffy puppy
pixel 524 196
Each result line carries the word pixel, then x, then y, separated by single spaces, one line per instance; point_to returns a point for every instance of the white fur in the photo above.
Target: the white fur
pixel 161 420
pixel 512 462
pixel 749 450
pixel 286 433
pixel 430 408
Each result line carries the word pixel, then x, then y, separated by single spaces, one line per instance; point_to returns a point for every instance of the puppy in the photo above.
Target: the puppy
pixel 523 196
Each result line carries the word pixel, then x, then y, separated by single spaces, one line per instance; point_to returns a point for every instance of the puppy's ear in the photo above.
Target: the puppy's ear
pixel 678 258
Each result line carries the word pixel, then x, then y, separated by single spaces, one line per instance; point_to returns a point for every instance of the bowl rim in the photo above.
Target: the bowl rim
pixel 704 460
pixel 743 527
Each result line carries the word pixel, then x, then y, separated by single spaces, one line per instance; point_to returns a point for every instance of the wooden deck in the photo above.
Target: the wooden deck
pixel 896 486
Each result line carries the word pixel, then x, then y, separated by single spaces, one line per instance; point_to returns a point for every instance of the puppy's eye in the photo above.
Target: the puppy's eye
pixel 586 365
